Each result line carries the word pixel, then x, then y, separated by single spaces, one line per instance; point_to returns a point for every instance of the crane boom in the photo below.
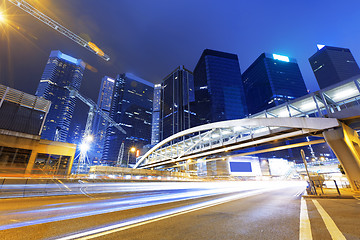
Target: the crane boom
pixel 25 6
pixel 94 107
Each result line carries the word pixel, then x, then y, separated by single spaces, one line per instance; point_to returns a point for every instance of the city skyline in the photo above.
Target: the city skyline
pixel 208 117
pixel 125 57
pixel 147 27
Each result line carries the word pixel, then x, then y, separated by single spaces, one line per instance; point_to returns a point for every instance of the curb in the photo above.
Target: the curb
pixel 329 197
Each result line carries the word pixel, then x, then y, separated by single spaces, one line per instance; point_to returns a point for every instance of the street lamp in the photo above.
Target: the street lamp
pixel 132 149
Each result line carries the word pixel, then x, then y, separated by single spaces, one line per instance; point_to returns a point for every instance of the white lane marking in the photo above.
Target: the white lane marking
pixel 65 185
pixel 334 231
pixel 299 193
pixel 157 217
pixel 305 227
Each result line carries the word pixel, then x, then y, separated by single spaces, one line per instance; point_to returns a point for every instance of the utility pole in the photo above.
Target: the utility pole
pixel 307 172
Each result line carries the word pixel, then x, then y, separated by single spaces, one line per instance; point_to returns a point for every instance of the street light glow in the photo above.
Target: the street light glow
pixel 89 138
pixel 2 17
pixel 84 147
pixel 133 149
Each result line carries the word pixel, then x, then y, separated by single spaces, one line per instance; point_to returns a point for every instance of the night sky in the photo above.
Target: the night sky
pixel 150 38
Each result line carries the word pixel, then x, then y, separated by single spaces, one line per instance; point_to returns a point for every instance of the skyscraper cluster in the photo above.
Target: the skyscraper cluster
pixel 215 90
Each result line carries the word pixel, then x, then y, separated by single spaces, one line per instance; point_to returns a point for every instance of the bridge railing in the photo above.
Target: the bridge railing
pixel 319 104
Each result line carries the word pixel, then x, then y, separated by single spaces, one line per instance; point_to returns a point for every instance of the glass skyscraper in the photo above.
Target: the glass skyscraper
pixel 131 106
pixel 100 124
pixel 219 93
pixel 61 70
pixel 332 65
pixel 177 93
pixel 272 80
pixel 76 133
pixel 269 81
pixel 155 128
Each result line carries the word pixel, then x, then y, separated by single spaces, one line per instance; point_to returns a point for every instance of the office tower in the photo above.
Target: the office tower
pixel 61 70
pixel 272 80
pixel 332 65
pixel 219 93
pixel 75 134
pixel 155 127
pixel 176 95
pixel 131 106
pixel 99 124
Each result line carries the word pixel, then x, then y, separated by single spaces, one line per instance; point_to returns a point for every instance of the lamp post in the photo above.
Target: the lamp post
pixel 307 172
pixel 132 149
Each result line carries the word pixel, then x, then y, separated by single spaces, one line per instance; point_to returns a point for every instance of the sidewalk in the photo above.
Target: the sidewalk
pixel 345 193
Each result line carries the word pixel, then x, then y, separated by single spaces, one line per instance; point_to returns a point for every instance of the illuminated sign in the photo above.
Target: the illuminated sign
pixel 110 80
pixel 240 167
pixel 68 58
pixel 281 58
pixel 320 46
pixel 137 153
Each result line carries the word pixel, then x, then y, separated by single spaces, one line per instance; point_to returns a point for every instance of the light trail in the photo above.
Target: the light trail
pixel 149 218
pixel 161 193
pixel 95 188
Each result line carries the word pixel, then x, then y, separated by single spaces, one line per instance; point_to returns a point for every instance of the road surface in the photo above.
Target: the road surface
pixel 214 210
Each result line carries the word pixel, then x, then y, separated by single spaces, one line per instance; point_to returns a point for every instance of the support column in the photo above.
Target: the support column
pixel 345 143
pixel 31 162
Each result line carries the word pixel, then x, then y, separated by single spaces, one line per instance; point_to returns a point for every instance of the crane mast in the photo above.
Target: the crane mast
pixel 94 108
pixel 25 6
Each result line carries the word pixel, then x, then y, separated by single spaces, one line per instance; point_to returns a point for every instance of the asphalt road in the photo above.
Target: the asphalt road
pixel 225 210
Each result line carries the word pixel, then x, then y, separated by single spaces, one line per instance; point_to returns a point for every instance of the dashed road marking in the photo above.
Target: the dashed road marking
pixel 305 227
pixel 334 231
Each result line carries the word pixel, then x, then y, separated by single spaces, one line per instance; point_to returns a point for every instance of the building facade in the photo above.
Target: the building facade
pixel 131 107
pixel 100 124
pixel 22 152
pixel 272 80
pixel 155 128
pixel 177 93
pixel 332 65
pixel 76 133
pixel 219 93
pixel 60 71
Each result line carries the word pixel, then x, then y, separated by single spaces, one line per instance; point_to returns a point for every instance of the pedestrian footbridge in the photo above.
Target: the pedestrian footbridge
pixel 326 113
pixel 226 136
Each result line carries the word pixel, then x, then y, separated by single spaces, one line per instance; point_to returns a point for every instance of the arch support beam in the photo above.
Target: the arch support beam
pixel 345 143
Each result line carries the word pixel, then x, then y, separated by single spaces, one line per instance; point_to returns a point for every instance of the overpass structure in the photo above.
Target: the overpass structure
pixel 332 113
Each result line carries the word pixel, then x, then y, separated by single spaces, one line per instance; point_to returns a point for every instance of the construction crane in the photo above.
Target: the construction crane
pixel 25 6
pixel 94 108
